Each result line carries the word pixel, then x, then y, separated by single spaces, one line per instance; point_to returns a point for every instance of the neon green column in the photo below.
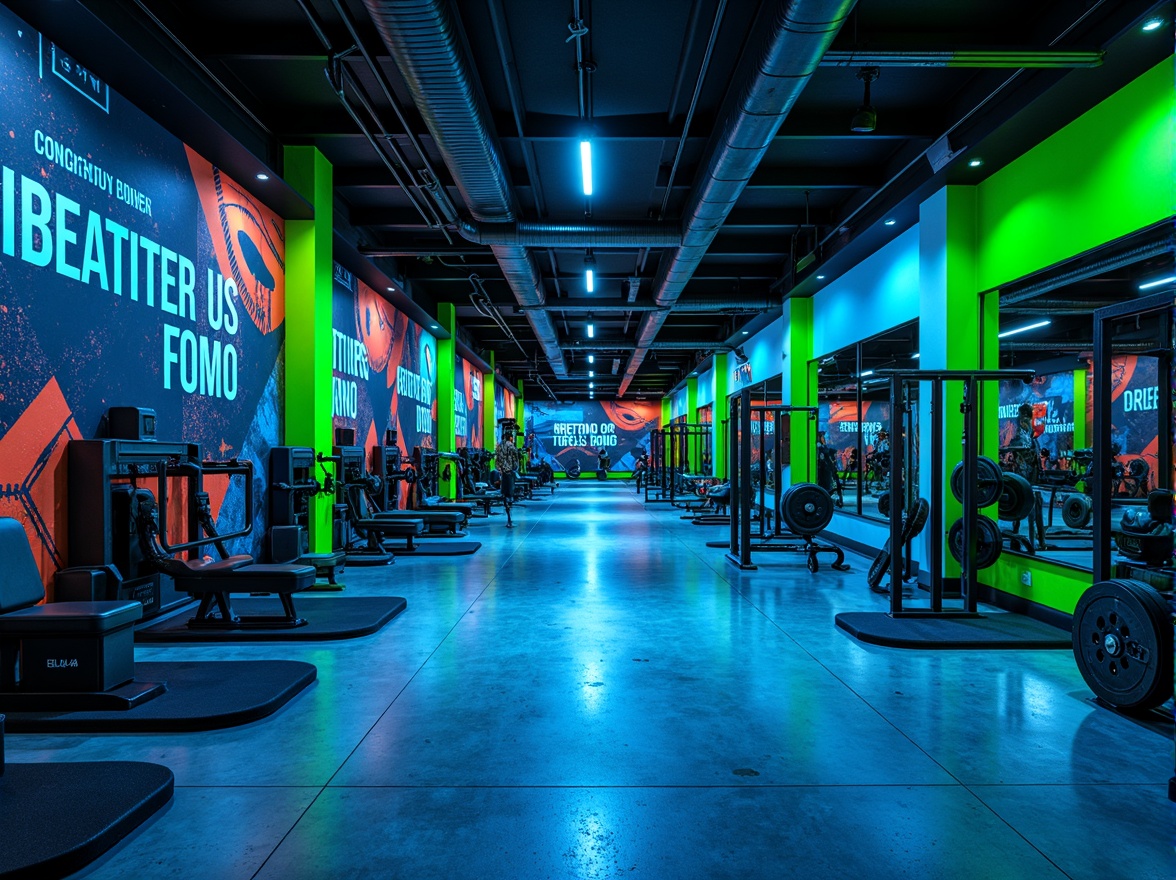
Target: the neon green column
pixel 719 413
pixel 667 412
pixel 308 322
pixel 1080 439
pixel 800 380
pixel 692 454
pixel 520 416
pixel 446 393
pixel 951 321
pixel 489 419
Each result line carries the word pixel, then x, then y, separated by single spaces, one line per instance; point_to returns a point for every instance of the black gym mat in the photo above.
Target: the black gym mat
pixel 451 548
pixel 201 695
pixel 328 617
pixel 996 631
pixel 60 817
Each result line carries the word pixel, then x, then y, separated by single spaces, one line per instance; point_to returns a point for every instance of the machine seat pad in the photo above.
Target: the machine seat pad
pixel 439 506
pixel 79 617
pixel 428 517
pixel 179 568
pixel 390 524
pixel 251 579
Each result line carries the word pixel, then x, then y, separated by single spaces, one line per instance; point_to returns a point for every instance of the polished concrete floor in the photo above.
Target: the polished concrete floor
pixel 597 694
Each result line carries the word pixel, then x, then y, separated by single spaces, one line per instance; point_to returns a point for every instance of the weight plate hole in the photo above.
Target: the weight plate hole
pixel 1095 639
pixel 1124 662
pixel 1100 655
pixel 1100 623
pixel 1114 618
pixel 1114 668
pixel 1123 631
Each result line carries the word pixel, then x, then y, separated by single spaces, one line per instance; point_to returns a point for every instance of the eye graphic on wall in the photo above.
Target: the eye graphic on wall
pixel 374 327
pixel 255 260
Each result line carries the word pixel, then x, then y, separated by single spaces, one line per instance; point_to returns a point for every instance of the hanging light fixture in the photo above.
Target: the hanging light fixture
pixel 590 272
pixel 591 327
pixel 866 118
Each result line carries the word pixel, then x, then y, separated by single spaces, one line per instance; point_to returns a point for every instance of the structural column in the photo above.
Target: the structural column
pixel 489 417
pixel 308 351
pixel 719 412
pixel 956 331
pixel 446 395
pixel 800 389
pixel 693 453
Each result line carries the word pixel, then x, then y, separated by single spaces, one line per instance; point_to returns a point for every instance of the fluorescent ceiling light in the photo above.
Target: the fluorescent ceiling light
pixel 1159 282
pixel 915 356
pixel 975 163
pixel 745 332
pixel 1016 330
pixel 586 165
pixel 261 175
pixel 865 373
pixel 590 280
pixel 591 384
pixel 591 358
pixel 820 277
pixel 591 330
pixel 890 222
pixel 1153 24
pixel 591 374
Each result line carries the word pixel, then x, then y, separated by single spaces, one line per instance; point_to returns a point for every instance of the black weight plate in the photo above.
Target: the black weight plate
pixel 914 522
pixel 806 508
pixel 1077 511
pixel 884 504
pixel 879 567
pixel 989 479
pixel 1016 498
pixel 988 541
pixel 1122 637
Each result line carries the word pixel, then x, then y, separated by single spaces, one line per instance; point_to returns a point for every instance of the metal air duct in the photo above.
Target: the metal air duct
pixel 800 33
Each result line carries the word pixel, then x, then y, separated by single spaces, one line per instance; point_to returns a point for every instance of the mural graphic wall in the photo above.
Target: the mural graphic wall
pixel 385 370
pixel 1135 402
pixel 564 433
pixel 467 402
pixel 505 401
pixel 132 272
pixel 1051 399
pixel 840 421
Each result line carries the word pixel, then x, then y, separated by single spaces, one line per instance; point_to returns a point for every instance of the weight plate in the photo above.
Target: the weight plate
pixel 806 508
pixel 1077 511
pixel 884 504
pixel 914 522
pixel 1122 637
pixel 989 541
pixel 1016 498
pixel 989 480
pixel 879 567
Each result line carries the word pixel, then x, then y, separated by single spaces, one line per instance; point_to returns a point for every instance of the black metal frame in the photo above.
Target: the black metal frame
pixel 740 546
pixel 935 521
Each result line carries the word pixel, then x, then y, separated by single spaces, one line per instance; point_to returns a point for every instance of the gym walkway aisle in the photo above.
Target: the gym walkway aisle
pixel 597 694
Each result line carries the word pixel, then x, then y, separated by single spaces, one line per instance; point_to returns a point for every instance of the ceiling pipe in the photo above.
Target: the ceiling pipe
pixel 800 33
pixel 697 305
pixel 598 345
pixel 572 235
pixel 975 58
pixel 426 42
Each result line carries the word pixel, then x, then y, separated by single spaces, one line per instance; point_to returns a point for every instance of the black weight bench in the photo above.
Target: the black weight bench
pixel 374 526
pixel 213 582
pixel 64 655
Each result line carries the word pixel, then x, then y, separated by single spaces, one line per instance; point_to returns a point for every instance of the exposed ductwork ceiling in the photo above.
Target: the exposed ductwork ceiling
pixel 426 44
pixel 801 32
pixel 727 176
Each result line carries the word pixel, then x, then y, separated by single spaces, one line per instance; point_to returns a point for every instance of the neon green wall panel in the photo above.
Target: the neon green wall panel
pixel 1106 174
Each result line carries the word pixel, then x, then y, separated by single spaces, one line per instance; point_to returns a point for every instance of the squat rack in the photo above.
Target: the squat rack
pixel 970 410
pixel 741 409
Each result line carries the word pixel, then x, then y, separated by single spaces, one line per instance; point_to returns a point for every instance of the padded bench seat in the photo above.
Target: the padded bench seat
pixel 247 579
pixel 70 617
